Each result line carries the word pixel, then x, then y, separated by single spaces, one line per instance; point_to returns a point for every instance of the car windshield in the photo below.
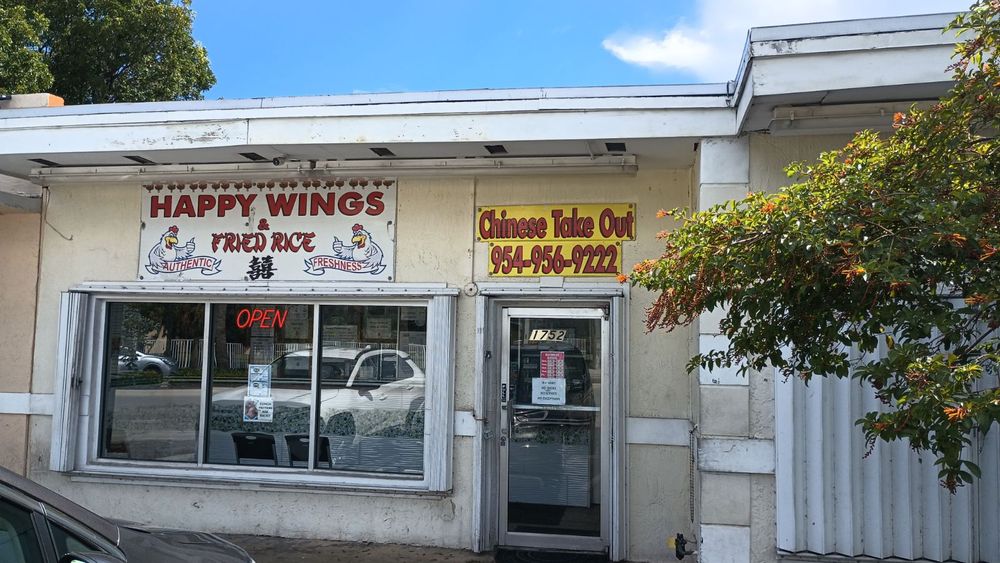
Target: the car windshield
pixel 368 367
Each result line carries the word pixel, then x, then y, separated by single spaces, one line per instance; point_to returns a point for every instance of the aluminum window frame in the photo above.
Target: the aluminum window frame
pixel 492 298
pixel 82 456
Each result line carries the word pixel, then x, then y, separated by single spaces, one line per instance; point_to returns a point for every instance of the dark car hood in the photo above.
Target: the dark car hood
pixel 147 544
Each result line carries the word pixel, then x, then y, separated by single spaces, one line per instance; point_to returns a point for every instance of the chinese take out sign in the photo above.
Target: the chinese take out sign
pixel 556 240
pixel 269 231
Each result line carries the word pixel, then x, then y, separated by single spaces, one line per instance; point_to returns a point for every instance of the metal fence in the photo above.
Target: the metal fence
pixel 187 352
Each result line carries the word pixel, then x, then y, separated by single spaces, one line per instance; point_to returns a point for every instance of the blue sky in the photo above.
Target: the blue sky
pixel 310 47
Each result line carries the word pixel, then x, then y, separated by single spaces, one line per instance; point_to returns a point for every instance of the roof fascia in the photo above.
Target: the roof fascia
pixel 832 37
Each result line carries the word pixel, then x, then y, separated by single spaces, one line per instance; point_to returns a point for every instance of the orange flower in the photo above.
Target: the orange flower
pixel 977 299
pixel 851 273
pixel 662 213
pixel 663 234
pixel 988 250
pixel 622 278
pixel 954 238
pixel 767 207
pixel 898 117
pixel 897 285
pixel 644 266
pixel 955 414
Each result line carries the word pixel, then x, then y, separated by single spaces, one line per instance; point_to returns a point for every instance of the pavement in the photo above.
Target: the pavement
pixel 267 549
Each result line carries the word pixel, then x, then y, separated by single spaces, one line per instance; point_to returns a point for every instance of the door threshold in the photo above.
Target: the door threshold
pixel 514 554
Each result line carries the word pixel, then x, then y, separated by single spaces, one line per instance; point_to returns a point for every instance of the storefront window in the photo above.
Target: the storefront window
pixel 365 414
pixel 152 381
pixel 372 388
pixel 261 384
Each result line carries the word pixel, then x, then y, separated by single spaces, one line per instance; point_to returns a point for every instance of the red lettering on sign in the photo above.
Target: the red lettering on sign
pixel 156 206
pixel 280 204
pixel 375 205
pixel 573 226
pixel 326 202
pixel 226 202
pixel 614 226
pixel 246 201
pixel 263 318
pixel 205 204
pixel 350 204
pixel 292 242
pixel 184 206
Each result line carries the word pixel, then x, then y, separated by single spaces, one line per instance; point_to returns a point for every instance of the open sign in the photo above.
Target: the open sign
pixel 262 318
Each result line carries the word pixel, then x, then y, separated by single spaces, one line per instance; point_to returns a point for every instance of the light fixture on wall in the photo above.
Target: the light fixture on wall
pixel 838 118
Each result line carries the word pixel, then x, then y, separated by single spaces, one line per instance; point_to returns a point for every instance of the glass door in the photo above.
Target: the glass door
pixel 553 438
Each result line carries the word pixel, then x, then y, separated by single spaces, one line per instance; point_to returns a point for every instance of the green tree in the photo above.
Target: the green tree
pixel 120 50
pixel 888 242
pixel 22 67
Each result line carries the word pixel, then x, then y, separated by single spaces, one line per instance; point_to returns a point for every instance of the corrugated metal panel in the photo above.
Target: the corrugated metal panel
pixel 988 499
pixel 832 500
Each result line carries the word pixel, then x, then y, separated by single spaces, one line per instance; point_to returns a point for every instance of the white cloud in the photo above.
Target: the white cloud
pixel 711 48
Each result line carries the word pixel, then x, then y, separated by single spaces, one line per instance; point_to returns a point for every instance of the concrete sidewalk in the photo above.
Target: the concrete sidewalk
pixel 265 549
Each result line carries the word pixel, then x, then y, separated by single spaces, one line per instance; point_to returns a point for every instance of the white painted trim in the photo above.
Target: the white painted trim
pixel 570 291
pixel 26 403
pixel 618 548
pixel 402 103
pixel 658 431
pixel 736 455
pixel 842 43
pixel 604 164
pixel 784 472
pixel 439 398
pixel 230 129
pixel 720 543
pixel 69 376
pixel 82 457
pixel 41 404
pixel 15 403
pixel 296 290
pixel 465 423
pixel 724 161
pixel 852 27
pixel 483 522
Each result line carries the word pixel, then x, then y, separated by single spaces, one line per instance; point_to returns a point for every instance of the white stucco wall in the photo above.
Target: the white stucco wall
pixel 99 240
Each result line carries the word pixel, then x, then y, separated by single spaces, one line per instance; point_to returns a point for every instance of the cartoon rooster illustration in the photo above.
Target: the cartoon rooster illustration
pixel 364 250
pixel 168 250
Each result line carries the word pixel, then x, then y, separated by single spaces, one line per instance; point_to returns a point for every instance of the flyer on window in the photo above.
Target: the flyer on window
pixel 259 380
pixel 258 409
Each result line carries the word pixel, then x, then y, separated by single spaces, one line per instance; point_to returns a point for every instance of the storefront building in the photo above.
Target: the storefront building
pixel 396 318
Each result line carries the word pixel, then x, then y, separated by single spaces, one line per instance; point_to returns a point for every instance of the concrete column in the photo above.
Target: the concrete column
pixel 731 457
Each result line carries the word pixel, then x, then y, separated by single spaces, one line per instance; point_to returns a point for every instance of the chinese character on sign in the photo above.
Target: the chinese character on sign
pixel 261 268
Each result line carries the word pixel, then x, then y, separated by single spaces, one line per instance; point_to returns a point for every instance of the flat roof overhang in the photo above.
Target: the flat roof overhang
pixel 19 196
pixel 819 78
pixel 870 68
pixel 656 124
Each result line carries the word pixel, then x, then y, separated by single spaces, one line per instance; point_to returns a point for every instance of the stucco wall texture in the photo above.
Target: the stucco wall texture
pixel 19 234
pixel 435 242
pixel 18 274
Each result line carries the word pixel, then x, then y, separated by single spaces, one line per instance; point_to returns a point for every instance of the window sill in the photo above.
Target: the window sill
pixel 256 479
